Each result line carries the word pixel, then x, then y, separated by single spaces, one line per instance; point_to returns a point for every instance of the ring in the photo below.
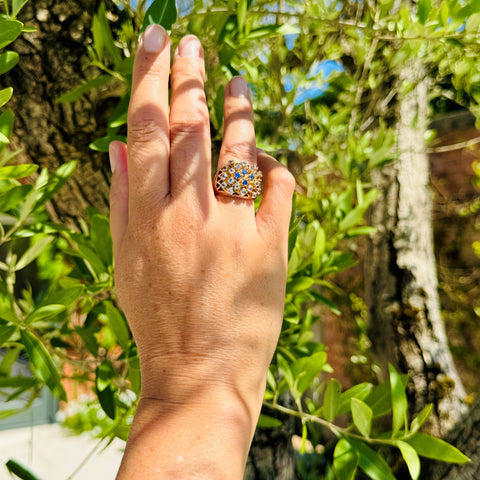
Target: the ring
pixel 239 180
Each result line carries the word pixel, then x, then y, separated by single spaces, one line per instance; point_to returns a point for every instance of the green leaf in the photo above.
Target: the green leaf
pixel 444 12
pixel 44 313
pixel 33 252
pixel 42 364
pixel 264 421
pixel 298 284
pixel 399 402
pixel 4 138
pixel 5 95
pixel 14 197
pixel 80 90
pixel 6 126
pixel 380 399
pixel 104 375
pixel 241 14
pixel 20 470
pixel 411 458
pixel 64 296
pixel 306 369
pixel 101 144
pixel 330 400
pixel 118 325
pixel 9 31
pixel 418 421
pixel 7 61
pixel 371 462
pixel 273 30
pixel 17 171
pixel 57 180
pixel 6 331
pixel 360 391
pixel 15 382
pixel 8 413
pixel 8 359
pixel 431 447
pixel 473 23
pixel 106 398
pixel 102 37
pixel 362 416
pixel 162 12
pixel 92 259
pixel 286 370
pixel 345 461
pixel 424 8
pixel 17 5
pixel 320 298
pixel 101 237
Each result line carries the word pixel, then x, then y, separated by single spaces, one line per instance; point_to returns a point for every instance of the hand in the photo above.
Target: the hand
pixel 200 277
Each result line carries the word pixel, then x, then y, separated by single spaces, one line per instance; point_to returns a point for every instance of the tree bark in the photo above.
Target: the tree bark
pixel 271 455
pixel 465 436
pixel 54 60
pixel 406 327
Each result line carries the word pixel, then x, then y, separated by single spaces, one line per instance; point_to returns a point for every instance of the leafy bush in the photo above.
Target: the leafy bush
pixel 73 316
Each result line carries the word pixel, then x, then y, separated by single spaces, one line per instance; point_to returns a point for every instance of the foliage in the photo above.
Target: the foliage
pixel 73 318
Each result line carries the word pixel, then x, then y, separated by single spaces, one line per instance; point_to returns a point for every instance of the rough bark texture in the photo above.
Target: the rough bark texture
pixel 400 274
pixel 272 456
pixel 466 437
pixel 52 61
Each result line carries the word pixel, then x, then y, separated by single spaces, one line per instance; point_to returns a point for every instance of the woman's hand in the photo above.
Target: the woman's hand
pixel 200 277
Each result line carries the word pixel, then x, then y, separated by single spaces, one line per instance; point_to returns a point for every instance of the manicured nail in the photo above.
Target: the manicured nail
pixel 189 46
pixel 239 88
pixel 114 155
pixel 154 38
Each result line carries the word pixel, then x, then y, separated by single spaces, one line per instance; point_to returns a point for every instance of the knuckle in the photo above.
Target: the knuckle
pixel 285 180
pixel 144 124
pixel 239 151
pixel 188 124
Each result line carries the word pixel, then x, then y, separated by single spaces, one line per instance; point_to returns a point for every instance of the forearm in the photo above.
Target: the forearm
pixel 208 438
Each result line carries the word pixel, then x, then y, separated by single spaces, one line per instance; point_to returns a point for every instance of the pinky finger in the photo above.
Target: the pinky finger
pixel 273 216
pixel 118 193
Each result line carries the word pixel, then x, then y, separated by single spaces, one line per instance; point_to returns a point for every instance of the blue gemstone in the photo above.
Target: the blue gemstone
pixel 245 182
pixel 252 177
pixel 237 175
pixel 244 171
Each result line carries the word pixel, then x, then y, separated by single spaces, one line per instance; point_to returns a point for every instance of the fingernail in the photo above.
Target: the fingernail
pixel 114 155
pixel 189 46
pixel 154 38
pixel 239 88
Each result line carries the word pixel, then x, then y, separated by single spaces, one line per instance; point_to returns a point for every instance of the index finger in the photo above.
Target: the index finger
pixel 148 132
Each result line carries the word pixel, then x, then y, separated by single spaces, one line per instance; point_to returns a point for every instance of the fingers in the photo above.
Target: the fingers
pixel 118 192
pixel 190 157
pixel 238 143
pixel 273 215
pixel 148 131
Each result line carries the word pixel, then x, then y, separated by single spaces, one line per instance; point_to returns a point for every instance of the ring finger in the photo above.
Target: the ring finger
pixel 238 143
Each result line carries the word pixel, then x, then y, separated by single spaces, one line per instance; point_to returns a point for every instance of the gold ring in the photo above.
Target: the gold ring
pixel 238 180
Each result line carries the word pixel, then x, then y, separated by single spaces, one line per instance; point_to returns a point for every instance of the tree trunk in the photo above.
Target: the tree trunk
pixel 466 437
pixel 406 327
pixel 53 60
pixel 271 456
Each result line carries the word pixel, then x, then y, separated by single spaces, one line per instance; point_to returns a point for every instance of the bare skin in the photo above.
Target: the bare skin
pixel 200 277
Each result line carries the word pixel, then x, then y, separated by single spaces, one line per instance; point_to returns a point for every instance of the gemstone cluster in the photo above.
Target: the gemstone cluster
pixel 239 179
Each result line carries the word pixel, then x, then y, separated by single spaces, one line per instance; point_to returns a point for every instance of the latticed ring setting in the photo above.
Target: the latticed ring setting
pixel 239 180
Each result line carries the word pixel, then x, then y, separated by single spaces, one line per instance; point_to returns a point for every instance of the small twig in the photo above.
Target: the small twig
pixel 454 146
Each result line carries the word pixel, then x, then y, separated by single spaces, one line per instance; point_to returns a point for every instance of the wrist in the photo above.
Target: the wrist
pixel 207 437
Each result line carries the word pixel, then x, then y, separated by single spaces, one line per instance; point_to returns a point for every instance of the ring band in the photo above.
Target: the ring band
pixel 238 180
